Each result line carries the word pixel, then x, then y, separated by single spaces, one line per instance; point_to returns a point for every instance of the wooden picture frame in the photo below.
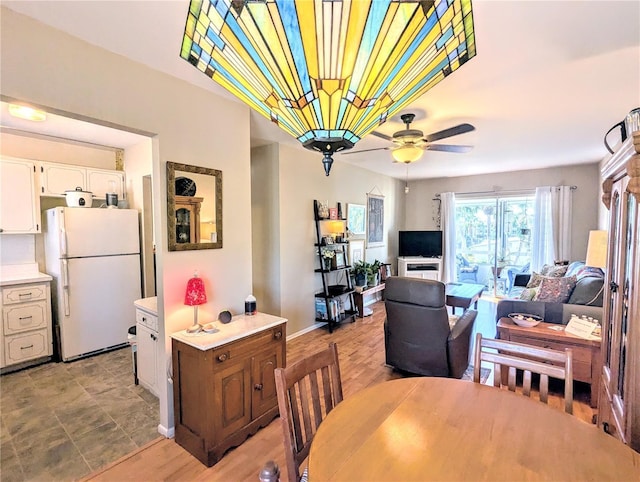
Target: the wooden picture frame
pixel 375 220
pixel 340 260
pixel 356 221
pixel 356 251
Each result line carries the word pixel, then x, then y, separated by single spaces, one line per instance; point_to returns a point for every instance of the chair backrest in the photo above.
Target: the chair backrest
pixel 531 359
pixel 307 391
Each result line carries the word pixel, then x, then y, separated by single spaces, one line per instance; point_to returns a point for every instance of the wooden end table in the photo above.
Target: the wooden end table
pixel 359 297
pixel 587 360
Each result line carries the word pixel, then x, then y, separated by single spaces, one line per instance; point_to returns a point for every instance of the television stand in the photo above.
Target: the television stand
pixel 419 267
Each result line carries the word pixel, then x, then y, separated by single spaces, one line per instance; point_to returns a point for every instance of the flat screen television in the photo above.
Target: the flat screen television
pixel 420 243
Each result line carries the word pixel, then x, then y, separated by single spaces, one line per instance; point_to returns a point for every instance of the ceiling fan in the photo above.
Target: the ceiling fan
pixel 409 144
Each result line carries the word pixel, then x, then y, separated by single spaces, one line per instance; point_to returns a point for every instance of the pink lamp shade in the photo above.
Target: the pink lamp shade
pixel 195 294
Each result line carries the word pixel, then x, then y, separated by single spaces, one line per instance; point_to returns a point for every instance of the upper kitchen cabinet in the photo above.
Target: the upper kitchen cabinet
pixel 55 179
pixel 19 203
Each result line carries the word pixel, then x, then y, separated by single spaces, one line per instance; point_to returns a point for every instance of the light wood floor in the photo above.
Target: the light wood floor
pixel 361 352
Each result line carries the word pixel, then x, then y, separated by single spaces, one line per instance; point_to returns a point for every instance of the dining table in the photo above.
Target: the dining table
pixel 429 428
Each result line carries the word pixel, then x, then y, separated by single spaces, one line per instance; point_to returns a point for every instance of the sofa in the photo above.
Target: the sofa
pixel 419 337
pixel 576 289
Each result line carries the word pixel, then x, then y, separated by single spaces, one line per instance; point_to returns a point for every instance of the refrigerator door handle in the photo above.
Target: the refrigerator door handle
pixel 65 287
pixel 63 242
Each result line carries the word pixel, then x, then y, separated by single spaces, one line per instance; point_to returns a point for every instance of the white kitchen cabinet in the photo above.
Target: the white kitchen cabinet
pixel 56 178
pixel 19 203
pixel 102 181
pixel 147 341
pixel 26 324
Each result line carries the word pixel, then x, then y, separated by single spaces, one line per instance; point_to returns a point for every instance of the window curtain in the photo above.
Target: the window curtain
pixel 448 209
pixel 551 226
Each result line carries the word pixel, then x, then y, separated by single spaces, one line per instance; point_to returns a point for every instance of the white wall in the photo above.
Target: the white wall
pixel 300 180
pixel 52 69
pixel 585 198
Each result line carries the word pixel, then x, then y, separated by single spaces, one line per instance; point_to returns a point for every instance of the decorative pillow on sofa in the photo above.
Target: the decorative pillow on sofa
pixel 528 294
pixel 588 291
pixel 589 272
pixel 534 280
pixel 553 271
pixel 556 290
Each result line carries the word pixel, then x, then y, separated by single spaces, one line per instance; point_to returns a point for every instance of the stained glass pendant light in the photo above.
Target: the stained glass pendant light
pixel 328 72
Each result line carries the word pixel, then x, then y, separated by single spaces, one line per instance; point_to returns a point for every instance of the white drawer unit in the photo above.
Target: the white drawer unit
pixel 26 324
pixel 24 317
pixel 22 294
pixel 26 346
pixel 147 341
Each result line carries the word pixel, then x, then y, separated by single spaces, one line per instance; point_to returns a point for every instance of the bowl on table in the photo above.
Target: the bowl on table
pixel 525 320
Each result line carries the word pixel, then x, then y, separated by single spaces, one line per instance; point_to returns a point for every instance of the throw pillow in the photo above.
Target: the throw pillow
pixel 588 291
pixel 535 280
pixel 554 271
pixel 588 271
pixel 528 294
pixel 556 290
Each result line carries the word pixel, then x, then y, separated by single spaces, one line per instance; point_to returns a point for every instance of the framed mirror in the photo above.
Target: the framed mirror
pixel 194 207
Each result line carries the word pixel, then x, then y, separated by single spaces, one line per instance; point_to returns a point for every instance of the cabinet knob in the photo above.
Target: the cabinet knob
pixel 608 429
pixel 258 386
pixel 277 335
pixel 614 286
pixel 222 357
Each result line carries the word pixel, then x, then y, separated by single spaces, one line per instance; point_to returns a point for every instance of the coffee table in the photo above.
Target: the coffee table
pixel 461 295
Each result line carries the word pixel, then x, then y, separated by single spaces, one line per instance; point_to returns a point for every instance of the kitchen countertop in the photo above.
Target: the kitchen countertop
pixel 149 305
pixel 240 326
pixel 14 274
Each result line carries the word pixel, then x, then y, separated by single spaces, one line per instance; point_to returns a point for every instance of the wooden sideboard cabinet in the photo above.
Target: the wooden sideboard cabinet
pixel 586 353
pixel 223 383
pixel 619 400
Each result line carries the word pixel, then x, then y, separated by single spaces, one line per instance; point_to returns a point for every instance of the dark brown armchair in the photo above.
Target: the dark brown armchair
pixel 417 335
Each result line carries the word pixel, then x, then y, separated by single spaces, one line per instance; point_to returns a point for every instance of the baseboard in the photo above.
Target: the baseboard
pixel 166 432
pixel 305 330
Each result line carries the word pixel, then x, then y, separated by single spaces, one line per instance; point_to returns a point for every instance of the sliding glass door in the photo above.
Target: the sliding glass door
pixel 493 239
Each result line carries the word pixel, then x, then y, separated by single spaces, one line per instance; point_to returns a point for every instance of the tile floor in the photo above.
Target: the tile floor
pixel 62 421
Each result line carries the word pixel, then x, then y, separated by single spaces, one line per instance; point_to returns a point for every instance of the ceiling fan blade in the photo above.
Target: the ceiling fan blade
pixel 381 136
pixel 365 150
pixel 451 131
pixel 448 148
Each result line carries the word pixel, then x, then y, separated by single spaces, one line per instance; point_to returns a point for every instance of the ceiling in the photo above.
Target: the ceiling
pixel 549 79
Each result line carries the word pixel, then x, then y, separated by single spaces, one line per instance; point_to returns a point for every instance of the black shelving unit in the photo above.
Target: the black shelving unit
pixel 333 296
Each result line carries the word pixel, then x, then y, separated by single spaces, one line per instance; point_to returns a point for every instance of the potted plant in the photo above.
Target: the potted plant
pixel 361 270
pixel 374 276
pixel 327 256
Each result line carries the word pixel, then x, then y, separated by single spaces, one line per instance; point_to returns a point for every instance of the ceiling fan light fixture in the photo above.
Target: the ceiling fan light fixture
pixel 328 71
pixel 407 153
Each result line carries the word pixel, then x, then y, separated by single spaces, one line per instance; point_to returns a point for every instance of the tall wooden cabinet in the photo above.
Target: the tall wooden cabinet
pixel 223 383
pixel 619 400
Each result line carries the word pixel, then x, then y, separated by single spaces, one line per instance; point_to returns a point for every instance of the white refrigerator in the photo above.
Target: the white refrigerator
pixel 94 257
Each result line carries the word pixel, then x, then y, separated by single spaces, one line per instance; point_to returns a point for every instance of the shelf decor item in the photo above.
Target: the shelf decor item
pixel 328 73
pixel 195 295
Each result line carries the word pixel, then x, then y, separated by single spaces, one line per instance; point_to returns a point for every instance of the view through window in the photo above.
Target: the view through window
pixel 493 239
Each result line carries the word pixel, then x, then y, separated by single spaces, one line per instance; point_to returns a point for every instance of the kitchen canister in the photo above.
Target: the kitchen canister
pixel 250 307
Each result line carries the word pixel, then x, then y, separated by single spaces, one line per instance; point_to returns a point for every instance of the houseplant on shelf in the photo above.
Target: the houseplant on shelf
pixel 327 255
pixel 361 271
pixel 374 276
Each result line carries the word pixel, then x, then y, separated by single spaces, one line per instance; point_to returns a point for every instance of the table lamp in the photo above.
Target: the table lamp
pixel 597 249
pixel 194 296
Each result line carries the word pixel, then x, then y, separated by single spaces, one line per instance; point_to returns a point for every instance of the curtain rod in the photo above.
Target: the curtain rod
pixel 512 191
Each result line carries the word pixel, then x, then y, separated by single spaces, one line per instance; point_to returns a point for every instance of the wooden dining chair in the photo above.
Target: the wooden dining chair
pixel 307 391
pixel 531 359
